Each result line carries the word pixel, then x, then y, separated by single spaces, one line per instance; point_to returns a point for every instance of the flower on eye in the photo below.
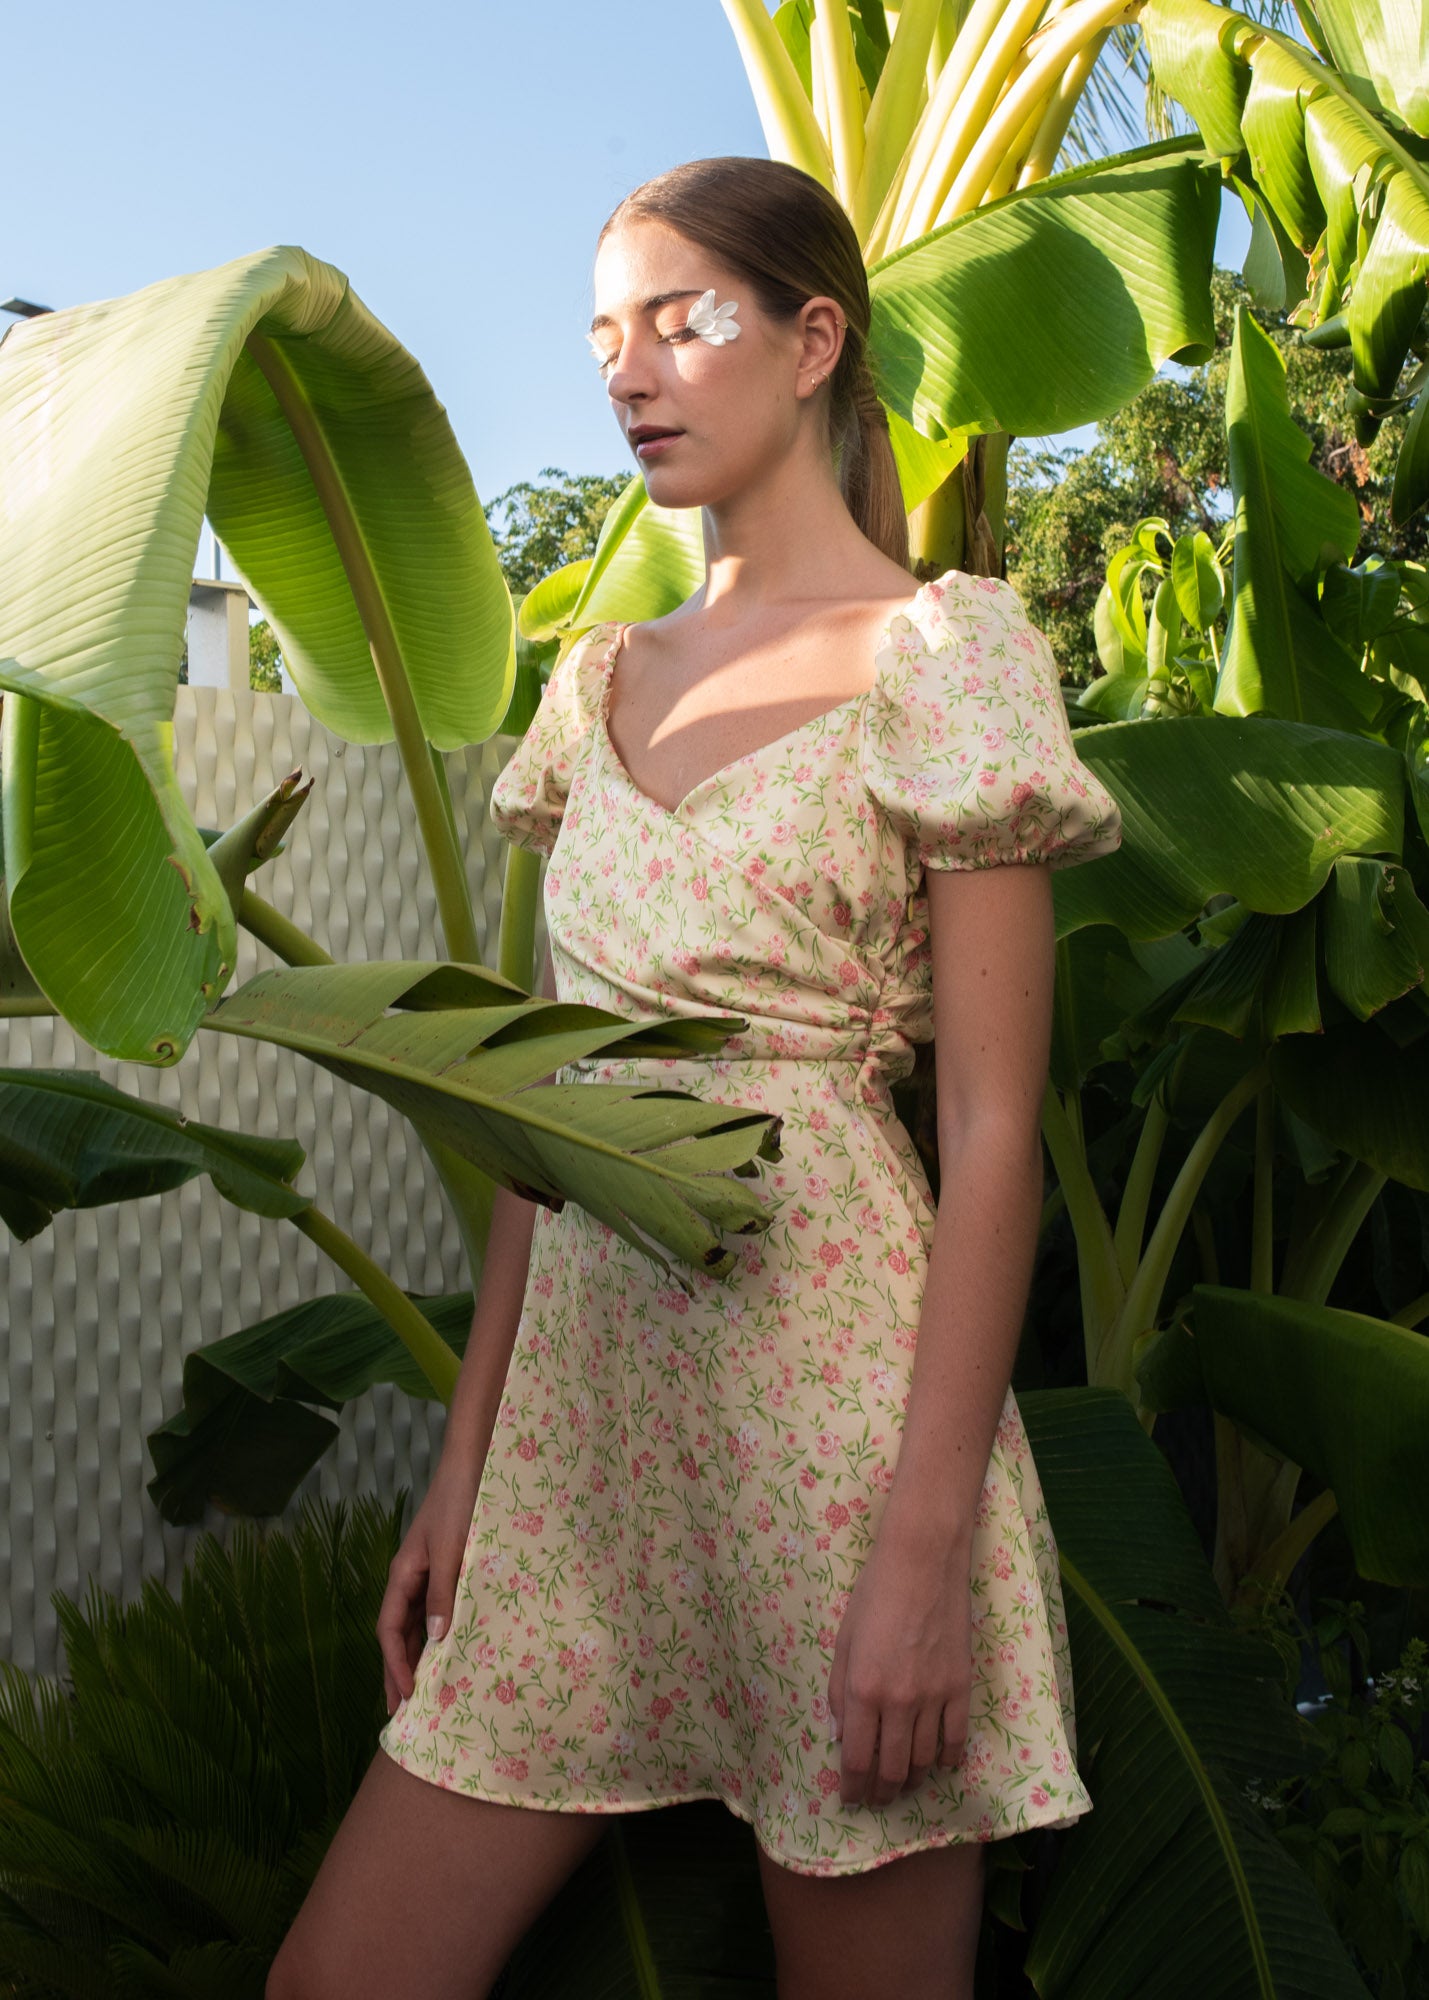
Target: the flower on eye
pixel 711 322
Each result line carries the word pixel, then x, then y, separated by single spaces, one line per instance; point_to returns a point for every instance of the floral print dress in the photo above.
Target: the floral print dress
pixel 685 1478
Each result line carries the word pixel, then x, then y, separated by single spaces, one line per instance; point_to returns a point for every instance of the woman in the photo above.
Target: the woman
pixel 721 1538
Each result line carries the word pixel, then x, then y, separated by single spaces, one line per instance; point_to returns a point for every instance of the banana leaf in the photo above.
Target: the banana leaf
pixel 70 1140
pixel 247 1435
pixel 1363 1093
pixel 265 393
pixel 1343 183
pixel 963 340
pixel 1280 655
pixel 660 1167
pixel 1172 1884
pixel 1258 809
pixel 1340 1393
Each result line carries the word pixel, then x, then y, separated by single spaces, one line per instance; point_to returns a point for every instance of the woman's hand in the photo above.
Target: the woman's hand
pixel 421 1583
pixel 903 1666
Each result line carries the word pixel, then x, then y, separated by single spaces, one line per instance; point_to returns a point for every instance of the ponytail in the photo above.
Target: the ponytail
pixel 868 471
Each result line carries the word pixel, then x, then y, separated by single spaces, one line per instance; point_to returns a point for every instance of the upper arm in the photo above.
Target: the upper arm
pixel 993 948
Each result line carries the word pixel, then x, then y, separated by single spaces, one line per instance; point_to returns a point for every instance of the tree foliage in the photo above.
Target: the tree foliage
pixel 538 525
pixel 1165 454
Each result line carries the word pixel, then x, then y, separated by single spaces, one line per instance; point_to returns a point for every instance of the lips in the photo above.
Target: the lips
pixel 643 433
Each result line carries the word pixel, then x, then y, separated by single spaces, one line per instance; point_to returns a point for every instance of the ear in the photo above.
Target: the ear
pixel 821 338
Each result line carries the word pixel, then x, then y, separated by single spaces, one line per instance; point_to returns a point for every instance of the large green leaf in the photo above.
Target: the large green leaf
pixel 1386 47
pixel 247 1433
pixel 963 340
pixel 1290 522
pixel 647 561
pixel 1257 809
pixel 1341 181
pixel 1340 1393
pixel 1172 1884
pixel 70 1140
pixel 264 392
pixel 465 1055
pixel 1367 1096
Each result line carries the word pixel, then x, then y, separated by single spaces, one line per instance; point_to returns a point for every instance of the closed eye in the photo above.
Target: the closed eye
pixel 677 336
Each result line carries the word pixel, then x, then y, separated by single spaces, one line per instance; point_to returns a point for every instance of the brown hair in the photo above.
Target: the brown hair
pixel 783 231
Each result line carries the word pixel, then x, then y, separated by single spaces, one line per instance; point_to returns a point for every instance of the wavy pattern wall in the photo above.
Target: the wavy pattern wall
pixel 99 1311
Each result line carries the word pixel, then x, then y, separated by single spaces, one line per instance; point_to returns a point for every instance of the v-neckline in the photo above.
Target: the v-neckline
pixel 831 714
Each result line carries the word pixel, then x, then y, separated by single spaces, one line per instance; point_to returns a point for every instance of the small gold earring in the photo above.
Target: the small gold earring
pixel 817 380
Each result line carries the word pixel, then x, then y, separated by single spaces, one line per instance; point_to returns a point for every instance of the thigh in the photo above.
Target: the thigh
pixel 908 1927
pixel 425 1891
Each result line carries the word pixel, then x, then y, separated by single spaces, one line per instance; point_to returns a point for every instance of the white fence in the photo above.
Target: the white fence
pixel 99 1311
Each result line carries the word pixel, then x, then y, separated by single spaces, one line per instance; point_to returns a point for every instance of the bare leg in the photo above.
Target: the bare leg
pixel 425 1891
pixel 908 1927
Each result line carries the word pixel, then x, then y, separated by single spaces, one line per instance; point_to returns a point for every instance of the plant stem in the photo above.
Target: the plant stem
pixel 1411 1314
pixel 1329 1242
pixel 458 919
pixel 1136 1196
pixel 281 936
pixel 516 946
pixel 14 1010
pixel 438 1362
pixel 1143 1294
pixel 1102 1289
pixel 1262 1229
pixel 1278 1559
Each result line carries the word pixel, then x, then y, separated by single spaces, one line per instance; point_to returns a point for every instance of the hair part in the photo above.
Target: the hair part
pixel 791 239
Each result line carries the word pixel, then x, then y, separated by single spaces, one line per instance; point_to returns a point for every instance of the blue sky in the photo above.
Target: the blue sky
pixel 455 161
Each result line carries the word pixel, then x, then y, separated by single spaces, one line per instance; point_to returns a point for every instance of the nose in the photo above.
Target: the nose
pixel 629 378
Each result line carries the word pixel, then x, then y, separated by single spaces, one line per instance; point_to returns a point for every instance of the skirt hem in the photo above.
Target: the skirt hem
pixel 1046 1816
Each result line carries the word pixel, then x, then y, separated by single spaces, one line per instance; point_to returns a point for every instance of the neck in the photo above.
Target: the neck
pixel 787 536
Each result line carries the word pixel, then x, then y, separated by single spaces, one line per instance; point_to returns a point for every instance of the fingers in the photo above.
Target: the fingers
pixel 923 1754
pixel 397 1625
pixel 955 1734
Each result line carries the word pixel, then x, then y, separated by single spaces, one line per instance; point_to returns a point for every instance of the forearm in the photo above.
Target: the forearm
pixel 975 1296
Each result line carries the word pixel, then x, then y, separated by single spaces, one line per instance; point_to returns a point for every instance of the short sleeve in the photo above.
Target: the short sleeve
pixel 968 750
pixel 529 795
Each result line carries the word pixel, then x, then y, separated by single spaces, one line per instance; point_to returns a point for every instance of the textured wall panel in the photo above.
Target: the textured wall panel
pixel 99 1311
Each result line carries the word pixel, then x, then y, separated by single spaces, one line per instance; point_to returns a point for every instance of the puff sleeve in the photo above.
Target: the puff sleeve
pixel 529 795
pixel 968 750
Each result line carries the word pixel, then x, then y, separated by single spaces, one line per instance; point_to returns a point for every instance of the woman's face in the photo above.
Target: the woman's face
pixel 726 413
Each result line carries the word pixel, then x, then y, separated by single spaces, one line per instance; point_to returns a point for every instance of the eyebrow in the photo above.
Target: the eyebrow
pixel 656 300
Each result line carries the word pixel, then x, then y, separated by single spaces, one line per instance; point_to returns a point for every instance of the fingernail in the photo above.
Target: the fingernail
pixel 436 1625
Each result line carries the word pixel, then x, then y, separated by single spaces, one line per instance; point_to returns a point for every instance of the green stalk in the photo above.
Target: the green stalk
pixel 278 932
pixel 1321 1256
pixel 443 854
pixel 1262 1228
pixel 1136 1196
pixel 15 1009
pixel 1277 1560
pixel 1143 1294
pixel 895 109
pixel 516 947
pixel 1411 1314
pixel 438 1362
pixel 1061 108
pixel 648 1984
pixel 1101 1286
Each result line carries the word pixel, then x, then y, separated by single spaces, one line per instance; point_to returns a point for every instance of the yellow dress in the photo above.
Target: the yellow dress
pixel 683 1485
